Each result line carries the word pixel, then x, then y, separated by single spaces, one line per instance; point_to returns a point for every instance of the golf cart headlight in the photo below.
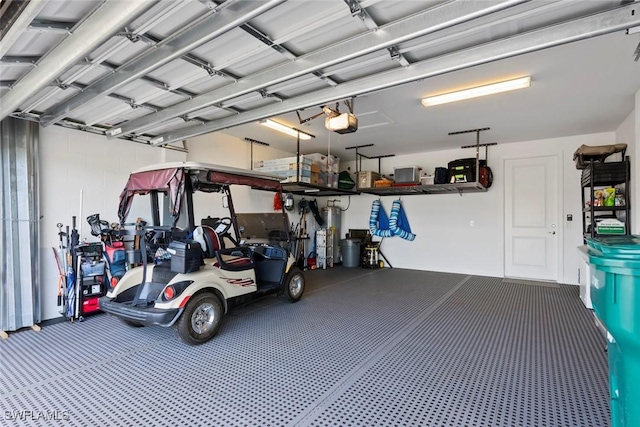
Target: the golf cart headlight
pixel 169 293
pixel 173 290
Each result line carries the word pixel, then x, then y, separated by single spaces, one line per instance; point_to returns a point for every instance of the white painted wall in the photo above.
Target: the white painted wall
pixel 446 242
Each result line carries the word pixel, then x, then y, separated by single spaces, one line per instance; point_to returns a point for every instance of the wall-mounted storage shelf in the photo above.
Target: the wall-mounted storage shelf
pixel 304 189
pixel 462 187
pixel 599 175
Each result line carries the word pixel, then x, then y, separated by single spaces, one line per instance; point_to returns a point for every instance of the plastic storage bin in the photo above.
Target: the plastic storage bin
pixel 407 174
pixel 615 294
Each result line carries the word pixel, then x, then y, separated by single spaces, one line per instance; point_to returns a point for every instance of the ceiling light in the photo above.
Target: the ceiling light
pixel 286 129
pixel 475 92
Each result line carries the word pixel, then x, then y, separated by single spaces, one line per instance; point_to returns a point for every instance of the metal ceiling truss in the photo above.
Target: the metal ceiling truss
pixel 52 26
pixel 193 59
pixel 102 24
pixel 25 13
pixel 151 17
pixel 357 10
pixel 389 35
pixel 259 35
pixel 224 20
pixel 567 32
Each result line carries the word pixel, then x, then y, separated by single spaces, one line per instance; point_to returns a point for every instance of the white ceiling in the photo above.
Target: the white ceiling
pixel 581 87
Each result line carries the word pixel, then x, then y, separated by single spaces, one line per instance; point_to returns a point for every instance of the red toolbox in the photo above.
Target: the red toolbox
pixel 90 305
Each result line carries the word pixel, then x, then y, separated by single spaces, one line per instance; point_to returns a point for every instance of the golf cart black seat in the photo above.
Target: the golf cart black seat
pixel 232 259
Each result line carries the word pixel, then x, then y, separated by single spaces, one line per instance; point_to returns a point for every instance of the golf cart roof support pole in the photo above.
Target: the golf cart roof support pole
pixel 188 194
pixel 155 208
pixel 298 157
pixel 143 254
pixel 477 156
pixel 102 24
pixel 232 212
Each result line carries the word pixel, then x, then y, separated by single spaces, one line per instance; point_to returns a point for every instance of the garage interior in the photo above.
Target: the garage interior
pixel 464 326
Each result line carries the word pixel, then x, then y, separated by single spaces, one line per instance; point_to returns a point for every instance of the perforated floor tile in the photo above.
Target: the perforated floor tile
pixel 490 355
pixel 363 347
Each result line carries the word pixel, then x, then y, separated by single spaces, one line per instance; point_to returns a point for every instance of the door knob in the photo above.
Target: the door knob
pixel 552 232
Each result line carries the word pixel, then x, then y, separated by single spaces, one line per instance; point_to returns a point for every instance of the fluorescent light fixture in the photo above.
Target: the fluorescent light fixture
pixel 475 92
pixel 286 129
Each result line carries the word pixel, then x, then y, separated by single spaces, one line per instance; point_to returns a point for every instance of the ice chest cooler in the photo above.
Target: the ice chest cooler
pixel 615 294
pixel 186 256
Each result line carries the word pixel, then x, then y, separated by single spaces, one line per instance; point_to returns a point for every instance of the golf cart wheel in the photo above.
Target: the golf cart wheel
pixel 131 323
pixel 200 320
pixel 293 286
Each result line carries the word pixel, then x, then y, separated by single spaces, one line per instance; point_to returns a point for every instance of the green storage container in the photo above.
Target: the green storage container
pixel 615 294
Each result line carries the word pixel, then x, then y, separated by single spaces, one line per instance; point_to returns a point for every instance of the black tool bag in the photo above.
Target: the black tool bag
pixel 441 176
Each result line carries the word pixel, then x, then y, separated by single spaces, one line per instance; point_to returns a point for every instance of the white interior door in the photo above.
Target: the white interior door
pixel 531 218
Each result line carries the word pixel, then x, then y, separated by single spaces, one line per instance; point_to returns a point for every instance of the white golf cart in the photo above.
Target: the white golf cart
pixel 214 265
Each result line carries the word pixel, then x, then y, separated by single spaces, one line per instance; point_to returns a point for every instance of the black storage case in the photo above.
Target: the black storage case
pixel 464 170
pixel 605 173
pixel 186 256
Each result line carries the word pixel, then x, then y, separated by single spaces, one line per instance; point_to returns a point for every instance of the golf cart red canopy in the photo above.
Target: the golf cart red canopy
pixel 170 178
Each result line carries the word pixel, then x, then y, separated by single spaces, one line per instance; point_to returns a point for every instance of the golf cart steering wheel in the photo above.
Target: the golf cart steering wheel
pixel 223 225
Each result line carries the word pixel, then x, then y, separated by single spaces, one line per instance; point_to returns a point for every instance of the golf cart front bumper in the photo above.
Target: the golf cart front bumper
pixel 142 315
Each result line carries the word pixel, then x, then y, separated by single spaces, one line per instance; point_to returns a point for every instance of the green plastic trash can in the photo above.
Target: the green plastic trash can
pixel 615 294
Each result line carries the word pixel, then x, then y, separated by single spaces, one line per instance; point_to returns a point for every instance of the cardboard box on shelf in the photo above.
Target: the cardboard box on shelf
pixel 319 179
pixel 366 179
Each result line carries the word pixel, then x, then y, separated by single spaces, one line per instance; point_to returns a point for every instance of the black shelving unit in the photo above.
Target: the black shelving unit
pixel 91 279
pixel 599 175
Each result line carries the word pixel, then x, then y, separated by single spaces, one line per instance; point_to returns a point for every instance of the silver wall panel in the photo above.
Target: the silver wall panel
pixel 19 241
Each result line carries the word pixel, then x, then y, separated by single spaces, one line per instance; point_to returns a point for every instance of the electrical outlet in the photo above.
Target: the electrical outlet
pixel 472 223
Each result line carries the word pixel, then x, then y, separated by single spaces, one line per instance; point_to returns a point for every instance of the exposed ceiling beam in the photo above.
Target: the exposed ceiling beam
pixel 194 60
pixel 428 21
pixel 153 16
pixel 21 23
pixel 53 26
pixel 217 24
pixel 259 35
pixel 357 10
pixel 591 26
pixel 98 27
pixel 19 60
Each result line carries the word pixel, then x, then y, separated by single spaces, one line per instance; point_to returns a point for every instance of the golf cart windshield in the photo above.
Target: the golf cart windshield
pixel 263 228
